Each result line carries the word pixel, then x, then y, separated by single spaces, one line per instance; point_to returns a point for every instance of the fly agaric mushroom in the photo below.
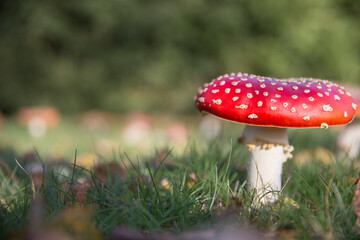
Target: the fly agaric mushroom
pixel 269 106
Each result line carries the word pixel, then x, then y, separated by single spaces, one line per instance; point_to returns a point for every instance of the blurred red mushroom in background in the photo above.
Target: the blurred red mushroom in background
pixel 38 119
pixel 177 132
pixel 210 127
pixel 104 146
pixel 137 129
pixel 176 137
pixel 94 120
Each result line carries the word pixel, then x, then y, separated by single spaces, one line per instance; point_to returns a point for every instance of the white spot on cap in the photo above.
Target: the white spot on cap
pixel 327 108
pixel 252 116
pixel 354 106
pixel 337 97
pixel 285 104
pixel 248 85
pixel 217 101
pixel 265 94
pixel 311 99
pixel 273 108
pixel 262 85
pixel 273 83
pixel 277 96
pixel 237 90
pixel 306 91
pixel 327 93
pixel 272 100
pixel 222 83
pixel 293 109
pixel 304 106
pixel 346 114
pixel 257 92
pixel 294 96
pixel 280 88
pixel 341 91
pixel 215 91
pixel 242 106
pixel 234 83
pixel 235 98
pixel 318 86
pixel 320 94
pixel 306 118
pixel 324 125
pixel 227 90
pixel 295 87
pixel 349 94
pixel 249 95
pixel 259 103
pixel 201 99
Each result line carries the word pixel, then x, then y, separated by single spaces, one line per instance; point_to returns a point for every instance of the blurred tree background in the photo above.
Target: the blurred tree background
pixel 140 55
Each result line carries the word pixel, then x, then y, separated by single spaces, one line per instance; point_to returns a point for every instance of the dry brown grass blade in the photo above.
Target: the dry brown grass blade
pixel 31 179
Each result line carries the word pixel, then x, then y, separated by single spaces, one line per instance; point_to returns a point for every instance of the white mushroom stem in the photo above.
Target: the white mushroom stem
pixel 269 149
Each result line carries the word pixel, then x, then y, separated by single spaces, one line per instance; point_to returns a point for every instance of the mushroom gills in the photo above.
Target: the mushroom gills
pixel 264 135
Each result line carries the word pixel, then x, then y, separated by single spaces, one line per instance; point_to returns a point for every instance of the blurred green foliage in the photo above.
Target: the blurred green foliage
pixel 140 55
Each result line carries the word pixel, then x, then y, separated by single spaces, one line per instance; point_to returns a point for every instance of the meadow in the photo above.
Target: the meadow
pixel 160 187
pixel 145 164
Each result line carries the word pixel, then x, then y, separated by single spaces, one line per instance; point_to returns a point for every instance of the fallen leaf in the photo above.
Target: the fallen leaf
pixel 78 191
pixel 192 180
pixel 87 161
pixel 165 183
pixel 108 170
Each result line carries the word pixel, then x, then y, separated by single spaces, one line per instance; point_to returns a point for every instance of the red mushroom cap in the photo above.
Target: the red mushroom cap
pixel 264 101
pixel 354 89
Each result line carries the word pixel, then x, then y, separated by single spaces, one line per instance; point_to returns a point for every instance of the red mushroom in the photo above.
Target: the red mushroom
pixel 38 119
pixel 268 106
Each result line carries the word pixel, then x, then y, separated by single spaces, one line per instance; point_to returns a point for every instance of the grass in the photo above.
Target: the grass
pixel 323 196
pixel 175 193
